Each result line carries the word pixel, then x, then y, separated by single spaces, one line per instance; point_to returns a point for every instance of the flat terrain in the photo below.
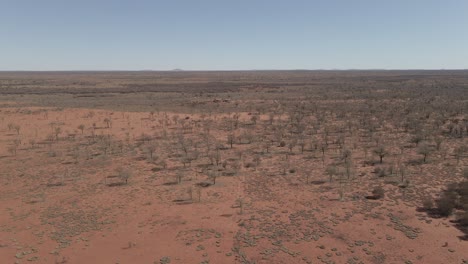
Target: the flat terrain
pixel 232 167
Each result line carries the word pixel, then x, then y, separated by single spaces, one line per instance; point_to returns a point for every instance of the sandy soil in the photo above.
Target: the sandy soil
pixel 60 203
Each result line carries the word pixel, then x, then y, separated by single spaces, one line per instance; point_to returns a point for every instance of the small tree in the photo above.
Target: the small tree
pixel 124 174
pixel 323 147
pixel 108 122
pixel 416 139
pixel 32 142
pixel 346 155
pixel 291 144
pixel 438 140
pixel 151 148
pixel 402 172
pixel 198 191
pixel 381 152
pixel 217 156
pixel 230 139
pixel 331 171
pixel 424 149
pixel 284 163
pixel 190 193
pixel 302 144
pixel 213 175
pixel 257 160
pixel 254 119
pixel 17 128
pixel 459 152
pixel 241 203
pixel 81 127
pixel 12 150
pixel 266 146
pixel 57 131
pixel 349 168
pixel 179 177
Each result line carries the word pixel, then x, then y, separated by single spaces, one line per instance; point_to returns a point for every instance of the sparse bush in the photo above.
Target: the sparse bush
pixel 463 220
pixel 428 203
pixel 416 139
pixel 249 165
pixel 465 173
pixel 380 171
pixel 445 205
pixel 378 192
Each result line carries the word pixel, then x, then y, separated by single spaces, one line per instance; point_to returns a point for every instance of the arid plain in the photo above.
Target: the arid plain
pixel 234 167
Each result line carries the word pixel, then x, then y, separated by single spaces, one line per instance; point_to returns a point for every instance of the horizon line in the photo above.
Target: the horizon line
pixel 244 70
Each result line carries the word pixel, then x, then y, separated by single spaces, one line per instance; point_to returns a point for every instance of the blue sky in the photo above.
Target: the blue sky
pixel 233 34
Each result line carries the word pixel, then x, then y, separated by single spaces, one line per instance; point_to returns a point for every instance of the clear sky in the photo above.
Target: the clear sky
pixel 233 34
